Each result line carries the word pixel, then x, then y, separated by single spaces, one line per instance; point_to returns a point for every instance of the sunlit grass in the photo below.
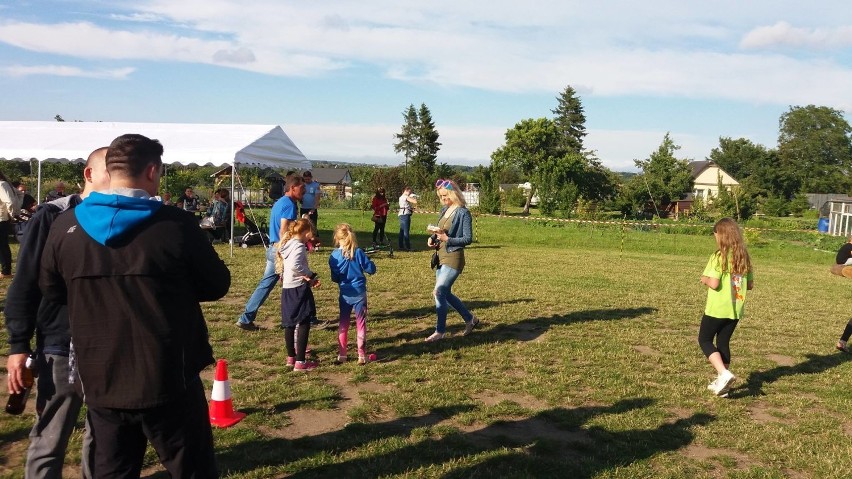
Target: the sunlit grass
pixel 586 365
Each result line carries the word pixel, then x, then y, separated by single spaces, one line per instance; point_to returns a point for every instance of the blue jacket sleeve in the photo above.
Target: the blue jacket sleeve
pixel 335 269
pixel 366 263
pixel 462 229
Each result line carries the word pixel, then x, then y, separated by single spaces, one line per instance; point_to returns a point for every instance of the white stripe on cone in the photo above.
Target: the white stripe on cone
pixel 221 390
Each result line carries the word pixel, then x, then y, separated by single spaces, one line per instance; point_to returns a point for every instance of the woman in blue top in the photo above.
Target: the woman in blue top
pixel 453 233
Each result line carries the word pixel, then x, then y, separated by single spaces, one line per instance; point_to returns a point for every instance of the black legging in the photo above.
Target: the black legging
pixel 5 251
pixel 293 350
pixel 379 230
pixel 847 332
pixel 722 330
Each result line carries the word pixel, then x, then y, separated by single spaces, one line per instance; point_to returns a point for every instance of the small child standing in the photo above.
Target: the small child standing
pixel 297 299
pixel 728 275
pixel 348 263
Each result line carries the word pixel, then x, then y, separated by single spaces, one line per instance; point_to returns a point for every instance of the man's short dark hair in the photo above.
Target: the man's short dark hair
pixel 294 180
pixel 130 154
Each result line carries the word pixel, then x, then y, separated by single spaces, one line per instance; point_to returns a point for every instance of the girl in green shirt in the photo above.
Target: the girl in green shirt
pixel 728 277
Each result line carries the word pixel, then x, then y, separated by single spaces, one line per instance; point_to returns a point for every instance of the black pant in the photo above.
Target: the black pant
pixel 379 229
pixel 722 330
pixel 5 251
pixel 179 432
pixel 297 350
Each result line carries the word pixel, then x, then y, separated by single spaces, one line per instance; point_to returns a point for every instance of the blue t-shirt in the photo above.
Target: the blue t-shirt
pixel 283 209
pixel 309 201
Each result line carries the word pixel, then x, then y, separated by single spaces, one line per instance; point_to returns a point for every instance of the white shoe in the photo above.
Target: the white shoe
pixel 712 385
pixel 724 382
pixel 436 336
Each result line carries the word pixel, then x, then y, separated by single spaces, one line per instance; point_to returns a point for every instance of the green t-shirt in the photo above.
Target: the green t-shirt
pixel 726 302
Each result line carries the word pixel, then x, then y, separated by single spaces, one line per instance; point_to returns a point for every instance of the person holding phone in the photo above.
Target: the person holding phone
pixel 454 231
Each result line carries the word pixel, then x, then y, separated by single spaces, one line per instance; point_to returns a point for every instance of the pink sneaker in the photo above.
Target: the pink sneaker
pixel 291 361
pixel 305 366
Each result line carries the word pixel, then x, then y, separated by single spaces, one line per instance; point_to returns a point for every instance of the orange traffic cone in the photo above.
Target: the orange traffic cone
pixel 222 412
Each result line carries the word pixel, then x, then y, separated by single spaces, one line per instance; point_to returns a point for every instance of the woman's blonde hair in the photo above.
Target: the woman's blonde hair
pixel 345 238
pixel 454 192
pixel 300 226
pixel 731 246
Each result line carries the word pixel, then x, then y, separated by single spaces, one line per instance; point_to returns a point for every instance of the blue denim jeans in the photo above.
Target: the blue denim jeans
pixel 58 403
pixel 404 229
pixel 266 285
pixel 444 298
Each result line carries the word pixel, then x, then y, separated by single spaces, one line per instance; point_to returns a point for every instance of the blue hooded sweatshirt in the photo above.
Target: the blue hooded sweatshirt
pixel 349 273
pixel 106 217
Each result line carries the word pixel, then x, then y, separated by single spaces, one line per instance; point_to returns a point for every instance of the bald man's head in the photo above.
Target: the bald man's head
pixel 95 175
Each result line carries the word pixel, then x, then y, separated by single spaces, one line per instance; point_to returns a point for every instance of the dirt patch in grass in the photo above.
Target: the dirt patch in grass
pixel 680 413
pixel 647 350
pixel 762 414
pixel 714 455
pixel 312 422
pixel 781 360
pixel 492 398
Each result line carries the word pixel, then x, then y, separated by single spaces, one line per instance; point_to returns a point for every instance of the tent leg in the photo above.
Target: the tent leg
pixel 38 186
pixel 233 213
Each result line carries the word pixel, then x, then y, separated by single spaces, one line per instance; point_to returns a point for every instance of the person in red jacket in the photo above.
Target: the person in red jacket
pixel 380 216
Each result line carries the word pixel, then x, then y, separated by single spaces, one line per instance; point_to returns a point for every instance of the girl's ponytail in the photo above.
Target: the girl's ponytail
pixel 345 238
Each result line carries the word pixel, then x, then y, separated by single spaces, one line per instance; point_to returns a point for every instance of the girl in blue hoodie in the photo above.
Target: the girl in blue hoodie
pixel 348 263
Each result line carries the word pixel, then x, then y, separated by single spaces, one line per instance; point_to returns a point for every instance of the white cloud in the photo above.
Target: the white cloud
pixel 612 48
pixel 782 34
pixel 65 71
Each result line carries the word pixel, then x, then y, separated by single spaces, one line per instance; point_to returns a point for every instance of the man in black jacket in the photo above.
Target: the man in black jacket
pixel 140 343
pixel 28 315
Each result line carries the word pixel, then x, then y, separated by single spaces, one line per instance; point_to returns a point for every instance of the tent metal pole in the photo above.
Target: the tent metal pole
pixel 233 211
pixel 38 186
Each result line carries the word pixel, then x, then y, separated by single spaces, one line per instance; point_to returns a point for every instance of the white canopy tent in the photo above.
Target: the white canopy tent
pixel 183 144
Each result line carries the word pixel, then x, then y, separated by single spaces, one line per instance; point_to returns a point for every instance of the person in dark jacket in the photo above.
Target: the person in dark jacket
pixel 140 343
pixel 28 315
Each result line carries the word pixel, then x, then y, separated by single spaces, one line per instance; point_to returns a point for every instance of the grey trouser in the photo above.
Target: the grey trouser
pixel 57 406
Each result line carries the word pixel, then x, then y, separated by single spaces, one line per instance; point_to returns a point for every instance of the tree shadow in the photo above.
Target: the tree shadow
pixel 264 452
pixel 552 443
pixel 815 364
pixel 525 330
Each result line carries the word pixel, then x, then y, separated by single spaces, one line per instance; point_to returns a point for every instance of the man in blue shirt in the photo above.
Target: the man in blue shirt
pixel 310 201
pixel 284 212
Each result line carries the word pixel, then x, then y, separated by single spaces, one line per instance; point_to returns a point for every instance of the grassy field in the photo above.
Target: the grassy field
pixel 586 365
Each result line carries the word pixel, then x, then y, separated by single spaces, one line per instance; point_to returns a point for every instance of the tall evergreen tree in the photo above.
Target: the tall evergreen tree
pixel 427 141
pixel 570 120
pixel 407 137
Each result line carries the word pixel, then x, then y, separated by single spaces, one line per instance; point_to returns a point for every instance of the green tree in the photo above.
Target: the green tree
pixel 814 142
pixel 570 120
pixel 534 146
pixel 406 139
pixel 528 146
pixel 489 191
pixel 418 142
pixel 427 141
pixel 665 177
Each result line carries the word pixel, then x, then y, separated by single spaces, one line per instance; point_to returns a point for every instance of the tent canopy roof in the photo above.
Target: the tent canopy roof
pixel 183 143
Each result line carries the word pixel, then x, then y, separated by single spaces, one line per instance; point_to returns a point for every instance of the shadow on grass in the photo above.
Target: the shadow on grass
pixel 551 443
pixel 815 364
pixel 525 330
pixel 429 310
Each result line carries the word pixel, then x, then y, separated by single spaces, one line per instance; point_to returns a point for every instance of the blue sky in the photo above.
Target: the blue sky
pixel 337 75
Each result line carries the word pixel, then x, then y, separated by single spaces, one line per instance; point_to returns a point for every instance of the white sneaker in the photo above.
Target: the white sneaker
pixel 724 382
pixel 712 385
